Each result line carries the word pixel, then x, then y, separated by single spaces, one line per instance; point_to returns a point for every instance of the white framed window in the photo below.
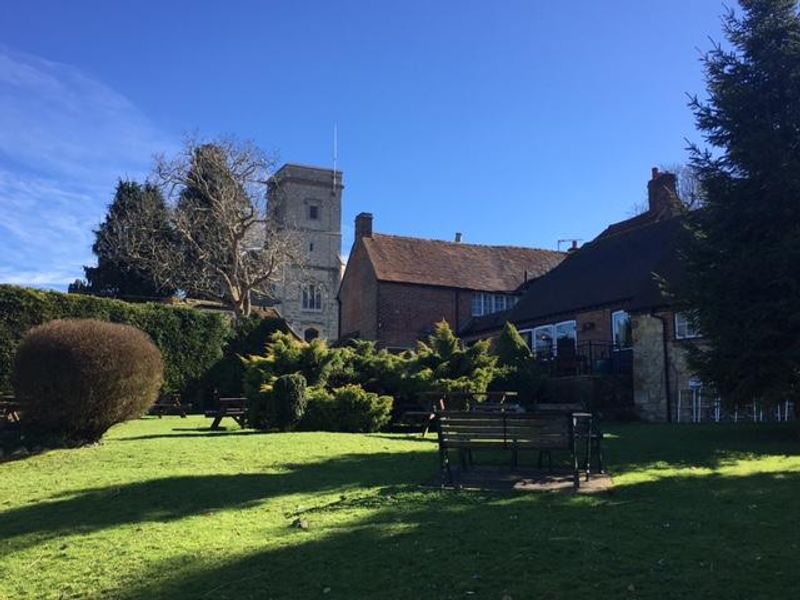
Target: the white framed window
pixel 621 331
pixel 549 340
pixel 486 304
pixel 685 327
pixel 312 297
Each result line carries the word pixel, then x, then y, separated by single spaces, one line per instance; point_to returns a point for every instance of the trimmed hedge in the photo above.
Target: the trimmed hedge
pixel 191 342
pixel 79 377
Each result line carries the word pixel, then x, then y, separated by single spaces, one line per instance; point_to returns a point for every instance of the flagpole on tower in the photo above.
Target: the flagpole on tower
pixel 335 153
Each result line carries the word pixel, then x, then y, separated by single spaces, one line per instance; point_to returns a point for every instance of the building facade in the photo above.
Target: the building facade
pixel 602 312
pixel 396 288
pixel 308 201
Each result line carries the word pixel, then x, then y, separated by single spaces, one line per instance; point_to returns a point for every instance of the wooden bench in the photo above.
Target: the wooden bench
pixel 170 404
pixel 469 431
pixel 235 408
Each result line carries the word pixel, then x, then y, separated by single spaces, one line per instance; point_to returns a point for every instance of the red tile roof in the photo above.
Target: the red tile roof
pixel 457 265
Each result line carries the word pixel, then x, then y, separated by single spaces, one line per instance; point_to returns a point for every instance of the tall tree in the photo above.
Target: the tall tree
pixel 741 254
pixel 230 251
pixel 138 212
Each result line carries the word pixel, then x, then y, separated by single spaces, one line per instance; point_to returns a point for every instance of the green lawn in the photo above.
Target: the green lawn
pixel 165 509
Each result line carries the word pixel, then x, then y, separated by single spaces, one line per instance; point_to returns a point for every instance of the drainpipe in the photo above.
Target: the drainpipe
pixel 665 343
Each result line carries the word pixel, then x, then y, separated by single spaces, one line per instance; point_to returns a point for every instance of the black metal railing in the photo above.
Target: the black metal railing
pixel 587 358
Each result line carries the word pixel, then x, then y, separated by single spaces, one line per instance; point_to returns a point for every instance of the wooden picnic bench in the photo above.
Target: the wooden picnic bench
pixel 170 404
pixel 466 432
pixel 9 410
pixel 235 408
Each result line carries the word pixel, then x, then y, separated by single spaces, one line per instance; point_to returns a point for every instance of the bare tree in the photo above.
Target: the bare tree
pixel 688 187
pixel 222 245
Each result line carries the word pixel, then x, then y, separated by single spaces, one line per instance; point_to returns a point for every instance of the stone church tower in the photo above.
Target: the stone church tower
pixel 309 200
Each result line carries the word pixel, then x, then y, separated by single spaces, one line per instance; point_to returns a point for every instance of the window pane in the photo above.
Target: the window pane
pixel 566 337
pixel 477 307
pixel 499 303
pixel 543 340
pixel 622 332
pixel 684 326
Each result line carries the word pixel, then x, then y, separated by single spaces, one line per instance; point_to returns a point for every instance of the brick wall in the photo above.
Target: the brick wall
pixel 408 312
pixel 594 326
pixel 358 296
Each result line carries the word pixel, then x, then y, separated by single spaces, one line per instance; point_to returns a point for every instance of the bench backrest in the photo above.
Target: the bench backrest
pixel 470 429
pixel 232 403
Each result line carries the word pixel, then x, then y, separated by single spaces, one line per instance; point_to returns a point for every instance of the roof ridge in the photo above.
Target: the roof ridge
pixel 450 243
pixel 605 234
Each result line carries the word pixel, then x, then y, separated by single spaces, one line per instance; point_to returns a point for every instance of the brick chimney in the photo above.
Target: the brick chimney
pixel 662 194
pixel 363 225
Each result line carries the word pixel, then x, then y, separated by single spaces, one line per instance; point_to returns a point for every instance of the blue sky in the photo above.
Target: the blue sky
pixel 514 122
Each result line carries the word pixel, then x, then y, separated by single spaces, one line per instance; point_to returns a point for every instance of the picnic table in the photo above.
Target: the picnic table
pixel 10 409
pixel 235 408
pixel 170 404
pixel 438 401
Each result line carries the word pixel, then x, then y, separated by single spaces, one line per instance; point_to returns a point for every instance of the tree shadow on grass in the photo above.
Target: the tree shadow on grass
pixel 713 536
pixel 171 498
pixel 632 447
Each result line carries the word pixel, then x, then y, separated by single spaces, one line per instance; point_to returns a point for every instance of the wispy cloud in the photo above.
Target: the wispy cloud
pixel 64 140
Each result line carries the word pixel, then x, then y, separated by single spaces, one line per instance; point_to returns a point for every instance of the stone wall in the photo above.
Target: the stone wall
pixel 308 200
pixel 649 376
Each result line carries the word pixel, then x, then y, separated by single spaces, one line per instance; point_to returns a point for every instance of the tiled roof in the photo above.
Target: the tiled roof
pixel 615 268
pixel 457 265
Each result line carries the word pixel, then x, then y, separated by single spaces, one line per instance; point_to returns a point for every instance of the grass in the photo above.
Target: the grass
pixel 164 509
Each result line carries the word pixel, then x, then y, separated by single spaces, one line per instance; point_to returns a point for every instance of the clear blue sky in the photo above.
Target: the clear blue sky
pixel 513 122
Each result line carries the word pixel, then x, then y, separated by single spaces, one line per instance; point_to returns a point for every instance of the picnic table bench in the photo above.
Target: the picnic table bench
pixel 170 404
pixel 510 431
pixel 9 410
pixel 235 408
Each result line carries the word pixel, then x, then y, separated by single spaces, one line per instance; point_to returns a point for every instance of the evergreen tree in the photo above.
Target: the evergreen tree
pixel 137 212
pixel 741 254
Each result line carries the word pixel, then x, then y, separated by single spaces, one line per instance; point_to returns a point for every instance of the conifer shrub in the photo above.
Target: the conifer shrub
pixel 349 408
pixel 320 412
pixel 282 406
pixel 77 378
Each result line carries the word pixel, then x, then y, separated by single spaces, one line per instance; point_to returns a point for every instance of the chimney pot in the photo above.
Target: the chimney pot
pixel 574 246
pixel 654 173
pixel 363 225
pixel 459 236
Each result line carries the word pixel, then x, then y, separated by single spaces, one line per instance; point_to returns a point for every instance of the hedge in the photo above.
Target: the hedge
pixel 191 341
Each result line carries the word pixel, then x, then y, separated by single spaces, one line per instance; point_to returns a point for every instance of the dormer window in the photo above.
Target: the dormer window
pixel 313 212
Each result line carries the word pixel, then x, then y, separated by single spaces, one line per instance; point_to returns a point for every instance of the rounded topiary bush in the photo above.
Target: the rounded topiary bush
pixel 77 378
